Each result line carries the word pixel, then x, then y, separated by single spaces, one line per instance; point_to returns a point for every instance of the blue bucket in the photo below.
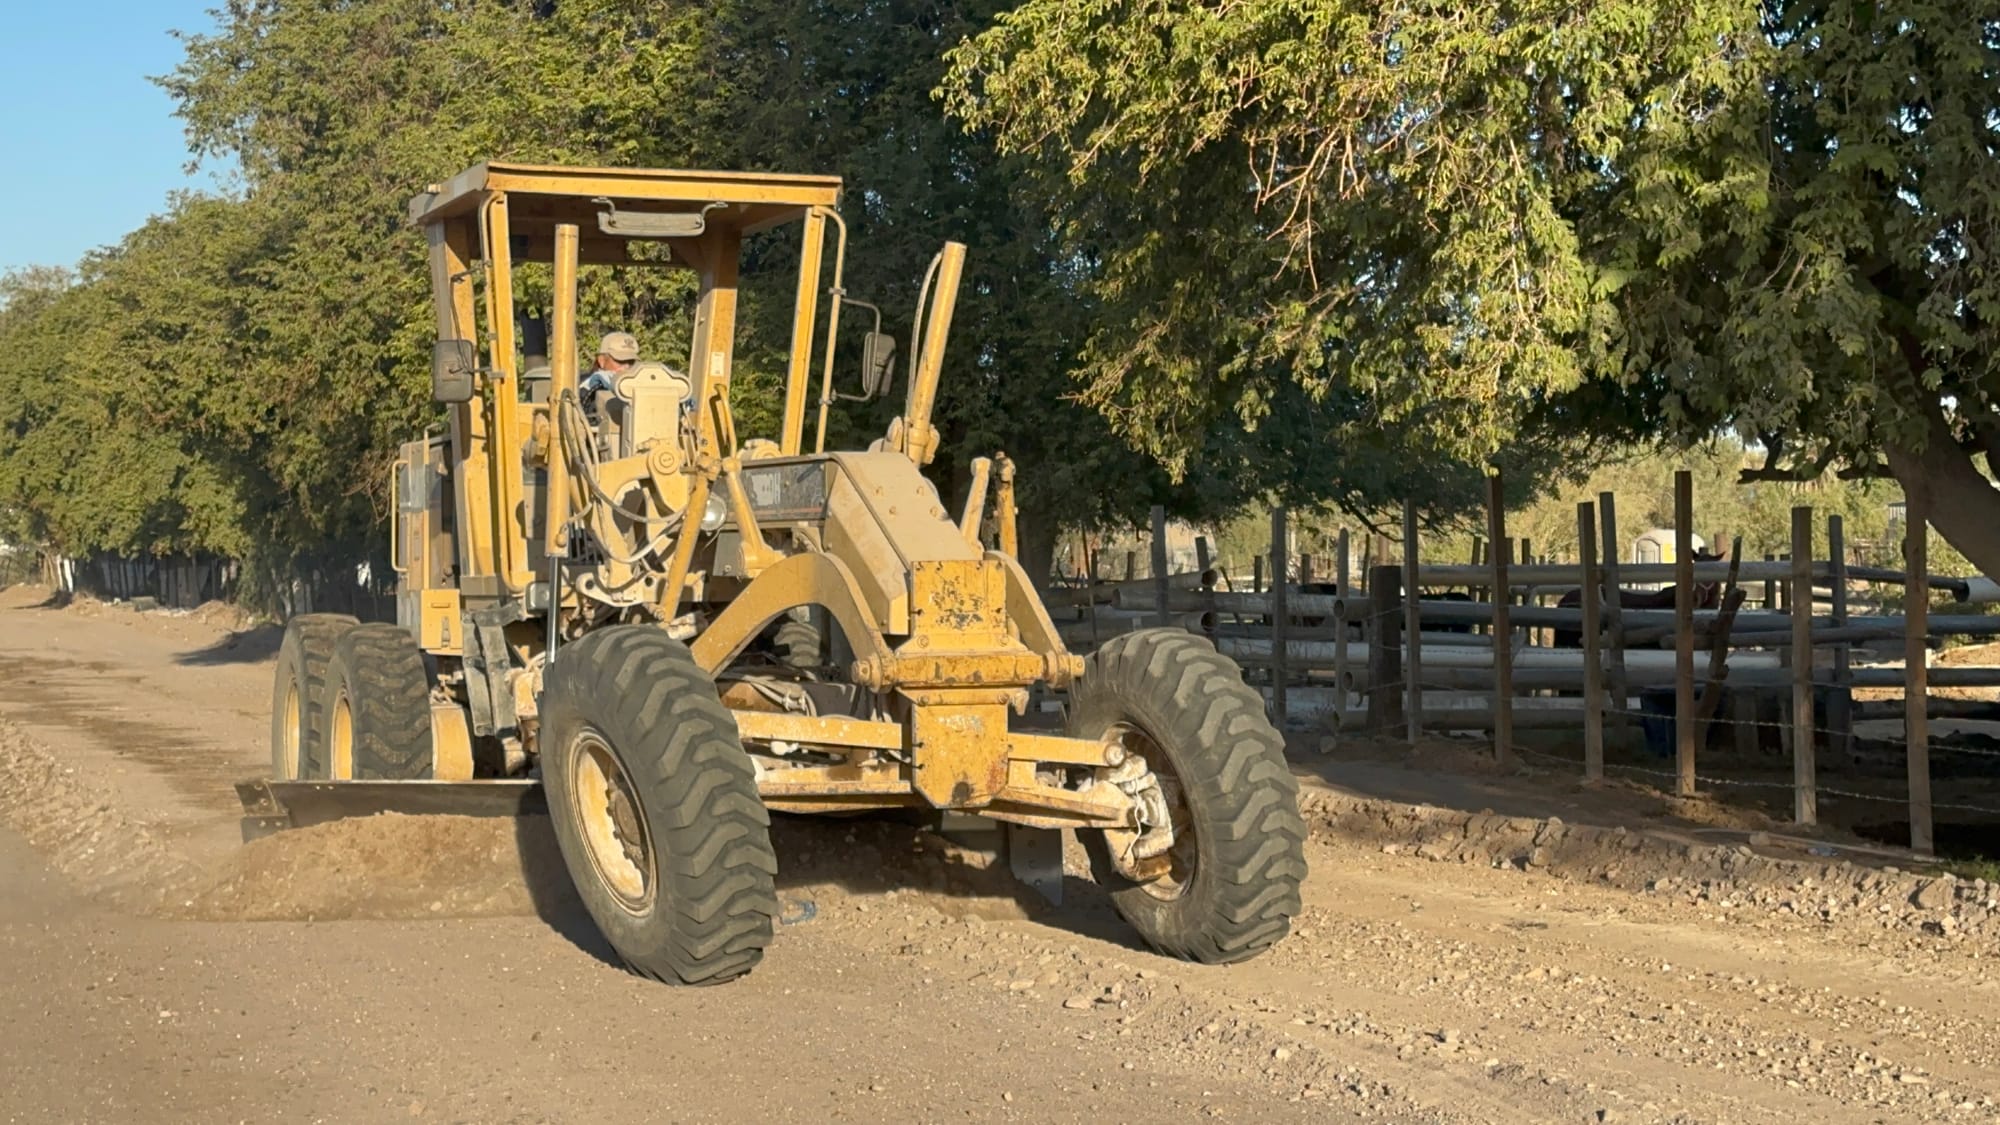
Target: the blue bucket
pixel 1656 722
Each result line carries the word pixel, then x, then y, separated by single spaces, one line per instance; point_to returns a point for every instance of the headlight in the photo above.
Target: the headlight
pixel 716 511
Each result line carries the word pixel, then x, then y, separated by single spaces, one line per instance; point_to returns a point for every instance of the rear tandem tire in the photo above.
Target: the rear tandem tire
pixel 378 706
pixel 654 804
pixel 299 718
pixel 1234 888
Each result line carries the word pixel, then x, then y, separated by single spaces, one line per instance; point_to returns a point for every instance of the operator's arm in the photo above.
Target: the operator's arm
pixel 587 390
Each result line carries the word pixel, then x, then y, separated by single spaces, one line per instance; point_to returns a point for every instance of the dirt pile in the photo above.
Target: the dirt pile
pixel 377 867
pixel 90 841
pixel 392 866
pixel 388 866
pixel 1711 876
pixel 400 867
pixel 223 615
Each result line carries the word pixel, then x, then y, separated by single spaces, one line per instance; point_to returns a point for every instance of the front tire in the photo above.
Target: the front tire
pixel 655 807
pixel 1239 853
pixel 299 718
pixel 378 709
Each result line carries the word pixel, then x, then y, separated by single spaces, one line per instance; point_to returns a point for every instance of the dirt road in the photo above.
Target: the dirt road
pixel 445 976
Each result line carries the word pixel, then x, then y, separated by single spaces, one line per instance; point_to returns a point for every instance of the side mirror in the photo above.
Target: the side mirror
pixel 453 367
pixel 878 364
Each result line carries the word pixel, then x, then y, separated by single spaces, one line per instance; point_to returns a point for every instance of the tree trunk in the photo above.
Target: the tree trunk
pixel 1038 548
pixel 1964 506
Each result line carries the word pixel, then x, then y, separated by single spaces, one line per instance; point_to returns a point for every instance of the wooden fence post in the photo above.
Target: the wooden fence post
pixel 1503 637
pixel 1609 552
pixel 1840 701
pixel 1684 724
pixel 1527 559
pixel 1202 560
pixel 1091 557
pixel 1478 558
pixel 1280 615
pixel 1413 626
pixel 1593 655
pixel 1341 632
pixel 1159 564
pixel 1342 573
pixel 1916 674
pixel 1385 650
pixel 1805 792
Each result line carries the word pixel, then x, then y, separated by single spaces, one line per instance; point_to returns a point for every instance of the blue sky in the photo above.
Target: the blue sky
pixel 91 147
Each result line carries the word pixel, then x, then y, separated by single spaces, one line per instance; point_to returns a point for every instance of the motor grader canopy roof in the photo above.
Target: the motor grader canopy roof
pixel 539 196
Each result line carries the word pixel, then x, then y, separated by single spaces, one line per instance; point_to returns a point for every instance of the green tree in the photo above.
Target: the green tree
pixel 130 424
pixel 336 113
pixel 349 109
pixel 235 376
pixel 1639 216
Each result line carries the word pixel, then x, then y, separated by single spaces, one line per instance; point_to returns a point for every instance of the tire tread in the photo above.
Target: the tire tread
pixel 712 834
pixel 1231 766
pixel 304 655
pixel 388 694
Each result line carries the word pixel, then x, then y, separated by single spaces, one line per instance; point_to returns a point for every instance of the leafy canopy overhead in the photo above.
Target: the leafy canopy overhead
pixel 234 377
pixel 1640 215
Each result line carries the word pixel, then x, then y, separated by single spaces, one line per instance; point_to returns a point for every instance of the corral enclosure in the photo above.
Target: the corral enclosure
pixel 1699 693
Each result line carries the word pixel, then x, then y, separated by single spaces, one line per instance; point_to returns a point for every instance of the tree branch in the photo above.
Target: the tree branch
pixel 1985 434
pixel 1774 451
pixel 1799 474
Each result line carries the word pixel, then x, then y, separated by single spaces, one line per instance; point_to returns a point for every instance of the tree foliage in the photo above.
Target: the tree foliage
pixel 234 376
pixel 1666 216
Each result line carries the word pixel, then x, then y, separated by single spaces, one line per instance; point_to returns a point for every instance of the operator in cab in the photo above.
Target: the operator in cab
pixel 616 353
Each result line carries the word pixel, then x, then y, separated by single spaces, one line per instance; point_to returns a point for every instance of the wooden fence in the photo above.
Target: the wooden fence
pixel 1473 649
pixel 365 589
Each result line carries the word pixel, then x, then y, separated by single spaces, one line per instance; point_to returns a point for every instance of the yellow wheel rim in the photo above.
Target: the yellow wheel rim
pixel 611 822
pixel 293 766
pixel 341 740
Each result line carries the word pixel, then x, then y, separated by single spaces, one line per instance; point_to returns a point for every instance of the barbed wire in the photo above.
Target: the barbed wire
pixel 1746 783
pixel 1729 718
pixel 1743 783
pixel 1401 690
pixel 1936 746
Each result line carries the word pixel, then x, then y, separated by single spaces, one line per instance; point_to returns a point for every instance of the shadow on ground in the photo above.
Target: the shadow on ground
pixel 28 596
pixel 246 646
pixel 822 860
pixel 1462 775
pixel 552 893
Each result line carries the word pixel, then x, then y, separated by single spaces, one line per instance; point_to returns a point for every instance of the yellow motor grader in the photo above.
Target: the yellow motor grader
pixel 613 603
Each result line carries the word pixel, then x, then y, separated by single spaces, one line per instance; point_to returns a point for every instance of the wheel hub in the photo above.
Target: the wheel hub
pixel 625 825
pixel 611 823
pixel 1161 856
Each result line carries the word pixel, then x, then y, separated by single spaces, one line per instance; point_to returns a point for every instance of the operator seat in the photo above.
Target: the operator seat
pixel 644 406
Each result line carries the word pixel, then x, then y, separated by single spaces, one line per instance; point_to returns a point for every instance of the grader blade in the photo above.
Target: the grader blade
pixel 273 806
